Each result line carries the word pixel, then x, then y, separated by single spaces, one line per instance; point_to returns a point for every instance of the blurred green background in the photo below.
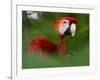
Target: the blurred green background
pixel 37 23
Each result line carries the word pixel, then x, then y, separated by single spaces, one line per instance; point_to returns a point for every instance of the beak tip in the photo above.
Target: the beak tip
pixel 73 35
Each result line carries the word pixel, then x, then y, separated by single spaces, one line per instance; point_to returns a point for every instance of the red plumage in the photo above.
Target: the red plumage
pixel 42 44
pixel 72 20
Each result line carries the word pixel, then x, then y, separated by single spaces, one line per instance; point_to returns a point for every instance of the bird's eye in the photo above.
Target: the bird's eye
pixel 64 22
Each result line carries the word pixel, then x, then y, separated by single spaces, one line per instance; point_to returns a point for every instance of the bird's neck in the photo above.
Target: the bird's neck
pixel 62 45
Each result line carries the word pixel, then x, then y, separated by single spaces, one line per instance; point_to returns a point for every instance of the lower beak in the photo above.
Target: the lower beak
pixel 67 33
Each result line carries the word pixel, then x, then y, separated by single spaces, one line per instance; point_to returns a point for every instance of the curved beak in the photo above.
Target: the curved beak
pixel 73 29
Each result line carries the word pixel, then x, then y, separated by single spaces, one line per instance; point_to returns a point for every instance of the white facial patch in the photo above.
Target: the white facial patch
pixel 63 26
pixel 73 29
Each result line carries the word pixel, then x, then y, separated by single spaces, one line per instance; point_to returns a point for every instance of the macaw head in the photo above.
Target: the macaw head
pixel 65 26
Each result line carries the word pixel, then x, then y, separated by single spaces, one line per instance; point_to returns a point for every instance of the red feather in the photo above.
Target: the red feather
pixel 72 20
pixel 42 44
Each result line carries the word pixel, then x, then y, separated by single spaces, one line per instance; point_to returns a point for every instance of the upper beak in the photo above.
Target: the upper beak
pixel 73 29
